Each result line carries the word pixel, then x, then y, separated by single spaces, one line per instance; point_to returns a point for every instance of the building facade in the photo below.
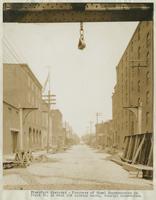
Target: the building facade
pixel 134 86
pixel 57 133
pixel 104 134
pixel 11 129
pixel 21 92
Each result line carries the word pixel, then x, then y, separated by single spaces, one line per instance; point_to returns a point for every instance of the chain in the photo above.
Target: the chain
pixel 81 30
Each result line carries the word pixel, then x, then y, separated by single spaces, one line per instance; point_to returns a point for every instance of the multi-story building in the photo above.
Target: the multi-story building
pixel 100 135
pixel 104 134
pixel 134 86
pixel 11 124
pixel 21 92
pixel 109 132
pixel 57 133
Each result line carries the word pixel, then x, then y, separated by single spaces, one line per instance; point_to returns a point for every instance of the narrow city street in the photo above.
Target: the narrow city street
pixel 79 167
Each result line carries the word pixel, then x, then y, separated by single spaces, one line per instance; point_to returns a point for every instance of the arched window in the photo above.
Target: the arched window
pixel 40 138
pixel 147 39
pixel 139 86
pixel 147 77
pixel 138 33
pixel 147 57
pixel 139 50
pixel 147 97
pixel 34 136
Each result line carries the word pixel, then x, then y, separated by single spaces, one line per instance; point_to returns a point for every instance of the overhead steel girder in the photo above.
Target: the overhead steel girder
pixel 76 12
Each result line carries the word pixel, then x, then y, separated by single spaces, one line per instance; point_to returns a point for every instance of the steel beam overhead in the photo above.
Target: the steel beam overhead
pixel 76 12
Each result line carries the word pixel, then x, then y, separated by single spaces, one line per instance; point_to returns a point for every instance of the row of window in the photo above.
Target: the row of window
pixel 125 68
pixel 34 137
pixel 138 84
pixel 148 39
pixel 138 89
pixel 147 98
pixel 139 55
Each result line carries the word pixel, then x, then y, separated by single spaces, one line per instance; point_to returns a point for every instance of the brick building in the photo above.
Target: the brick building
pixel 21 91
pixel 57 133
pixel 134 86
pixel 104 134
pixel 100 135
pixel 11 129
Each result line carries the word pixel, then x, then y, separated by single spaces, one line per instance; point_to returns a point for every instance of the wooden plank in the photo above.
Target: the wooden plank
pixel 129 148
pixel 139 149
pixel 132 148
pixel 136 145
pixel 151 153
pixel 126 148
pixel 139 154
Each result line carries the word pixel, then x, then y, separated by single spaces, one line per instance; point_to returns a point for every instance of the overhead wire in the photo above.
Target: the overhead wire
pixel 12 51
pixel 19 54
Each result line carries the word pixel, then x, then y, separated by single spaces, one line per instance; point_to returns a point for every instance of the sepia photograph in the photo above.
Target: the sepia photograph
pixel 78 96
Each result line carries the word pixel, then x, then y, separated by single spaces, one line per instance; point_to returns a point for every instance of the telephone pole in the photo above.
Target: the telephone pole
pixel 50 100
pixel 98 114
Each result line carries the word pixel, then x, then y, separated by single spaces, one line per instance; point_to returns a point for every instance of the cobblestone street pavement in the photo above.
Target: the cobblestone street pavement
pixel 80 167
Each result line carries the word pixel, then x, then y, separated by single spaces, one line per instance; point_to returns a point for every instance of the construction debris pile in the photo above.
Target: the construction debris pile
pixel 22 159
pixel 43 158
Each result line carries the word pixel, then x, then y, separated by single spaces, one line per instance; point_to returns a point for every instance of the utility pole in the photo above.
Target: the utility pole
pixel 49 100
pixel 97 117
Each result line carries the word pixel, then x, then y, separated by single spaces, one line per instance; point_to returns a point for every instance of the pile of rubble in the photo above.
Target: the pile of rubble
pixel 43 158
pixel 22 159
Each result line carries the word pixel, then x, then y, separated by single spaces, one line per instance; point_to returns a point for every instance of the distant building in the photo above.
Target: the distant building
pixel 134 86
pixel 21 89
pixel 57 133
pixel 100 134
pixel 104 134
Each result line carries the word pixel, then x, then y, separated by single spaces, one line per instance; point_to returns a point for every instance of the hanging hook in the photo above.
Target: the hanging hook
pixel 81 44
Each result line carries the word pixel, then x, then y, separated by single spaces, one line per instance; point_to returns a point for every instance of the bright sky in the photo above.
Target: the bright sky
pixel 83 80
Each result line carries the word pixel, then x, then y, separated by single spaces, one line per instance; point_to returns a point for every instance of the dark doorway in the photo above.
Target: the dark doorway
pixel 14 141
